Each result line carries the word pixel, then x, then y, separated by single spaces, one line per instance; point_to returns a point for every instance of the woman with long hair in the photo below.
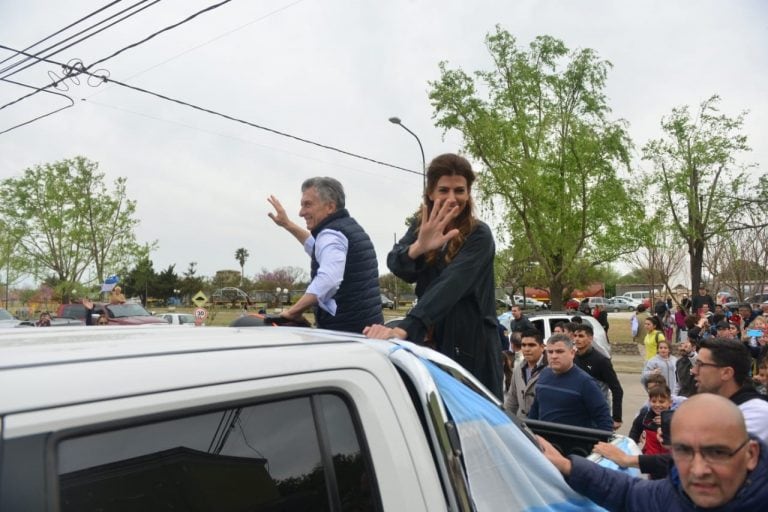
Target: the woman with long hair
pixel 449 255
pixel 654 336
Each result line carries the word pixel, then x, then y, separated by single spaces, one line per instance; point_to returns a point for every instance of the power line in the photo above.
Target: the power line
pixel 220 36
pixel 169 27
pixel 63 29
pixel 70 71
pixel 130 14
pixel 221 114
pixel 71 104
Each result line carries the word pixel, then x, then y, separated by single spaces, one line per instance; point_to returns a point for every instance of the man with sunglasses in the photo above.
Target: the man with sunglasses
pixel 717 465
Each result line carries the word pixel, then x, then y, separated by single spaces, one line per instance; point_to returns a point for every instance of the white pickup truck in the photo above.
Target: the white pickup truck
pixel 257 419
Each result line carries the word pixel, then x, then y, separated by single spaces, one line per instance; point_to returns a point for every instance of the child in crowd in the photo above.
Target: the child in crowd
pixel 660 398
pixel 761 377
pixel 662 363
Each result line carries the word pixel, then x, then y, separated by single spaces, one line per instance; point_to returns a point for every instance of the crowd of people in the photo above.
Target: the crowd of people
pixel 448 253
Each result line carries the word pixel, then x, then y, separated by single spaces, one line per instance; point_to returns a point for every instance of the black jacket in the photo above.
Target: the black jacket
pixel 684 378
pixel 600 368
pixel 457 303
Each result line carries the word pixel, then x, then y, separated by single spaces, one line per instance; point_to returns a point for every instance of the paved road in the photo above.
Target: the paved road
pixel 634 398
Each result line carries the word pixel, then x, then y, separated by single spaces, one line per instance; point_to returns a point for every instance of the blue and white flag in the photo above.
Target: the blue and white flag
pixel 109 283
pixel 505 470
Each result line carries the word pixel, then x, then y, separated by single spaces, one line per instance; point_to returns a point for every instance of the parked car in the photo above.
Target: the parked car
pixel 261 418
pixel 7 319
pixel 55 322
pixel 529 303
pixel 118 314
pixel 386 302
pixel 545 321
pixel 177 318
pixel 758 298
pixel 621 304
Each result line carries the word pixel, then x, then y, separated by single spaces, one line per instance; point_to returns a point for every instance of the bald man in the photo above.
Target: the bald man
pixel 717 464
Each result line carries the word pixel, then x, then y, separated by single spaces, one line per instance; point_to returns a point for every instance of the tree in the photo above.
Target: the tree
pixel 141 280
pixel 191 284
pixel 67 220
pixel 659 259
pixel 699 181
pixel 241 255
pixel 739 260
pixel 548 150
pixel 283 277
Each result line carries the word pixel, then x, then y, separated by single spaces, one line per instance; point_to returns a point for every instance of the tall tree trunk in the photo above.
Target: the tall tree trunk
pixel 696 252
pixel 556 294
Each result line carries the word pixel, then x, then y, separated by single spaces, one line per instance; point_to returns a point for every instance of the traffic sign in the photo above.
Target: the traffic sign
pixel 200 315
pixel 200 299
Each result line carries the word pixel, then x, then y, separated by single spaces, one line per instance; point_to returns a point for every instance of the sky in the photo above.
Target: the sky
pixel 333 72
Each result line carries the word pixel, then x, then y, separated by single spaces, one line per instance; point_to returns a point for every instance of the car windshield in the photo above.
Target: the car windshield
pixel 186 319
pixel 123 310
pixel 4 315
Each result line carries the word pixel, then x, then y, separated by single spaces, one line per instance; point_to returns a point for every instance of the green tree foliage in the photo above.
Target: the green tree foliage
pixel 141 280
pixel 191 283
pixel 539 124
pixel 698 178
pixel 66 219
pixel 241 255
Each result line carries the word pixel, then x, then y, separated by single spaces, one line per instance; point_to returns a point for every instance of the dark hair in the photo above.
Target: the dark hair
pixel 654 379
pixel 641 308
pixel 730 353
pixel 533 333
pixel 584 328
pixel 329 190
pixel 659 392
pixel 691 321
pixel 450 164
pixel 656 322
pixel 569 326
pixel 576 320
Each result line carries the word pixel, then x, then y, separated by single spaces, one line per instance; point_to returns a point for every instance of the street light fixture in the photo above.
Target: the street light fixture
pixel 397 121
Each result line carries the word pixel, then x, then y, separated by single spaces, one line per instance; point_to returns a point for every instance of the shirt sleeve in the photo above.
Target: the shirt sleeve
pixel 330 248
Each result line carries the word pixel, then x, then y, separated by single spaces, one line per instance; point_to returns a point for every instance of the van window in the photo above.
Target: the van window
pixel 294 454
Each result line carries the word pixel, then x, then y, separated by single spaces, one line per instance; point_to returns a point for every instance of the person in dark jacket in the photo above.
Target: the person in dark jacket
pixel 565 393
pixel 699 300
pixel 686 384
pixel 599 368
pixel 449 255
pixel 717 466
pixel 344 290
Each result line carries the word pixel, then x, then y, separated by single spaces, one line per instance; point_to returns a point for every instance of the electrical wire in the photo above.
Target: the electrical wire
pixel 155 34
pixel 209 41
pixel 224 116
pixel 336 165
pixel 71 104
pixel 130 14
pixel 63 29
pixel 70 71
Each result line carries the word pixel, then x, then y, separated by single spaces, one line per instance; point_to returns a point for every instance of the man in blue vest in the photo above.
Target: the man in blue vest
pixel 344 291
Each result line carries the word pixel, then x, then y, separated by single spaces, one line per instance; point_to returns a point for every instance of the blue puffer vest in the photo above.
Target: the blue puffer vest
pixel 358 299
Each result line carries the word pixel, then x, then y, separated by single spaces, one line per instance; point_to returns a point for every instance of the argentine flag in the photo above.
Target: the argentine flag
pixel 504 469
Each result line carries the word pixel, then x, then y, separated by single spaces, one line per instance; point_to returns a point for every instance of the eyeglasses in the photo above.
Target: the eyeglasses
pixel 711 454
pixel 698 364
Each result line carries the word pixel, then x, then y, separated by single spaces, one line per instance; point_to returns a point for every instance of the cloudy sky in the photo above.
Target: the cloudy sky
pixel 333 72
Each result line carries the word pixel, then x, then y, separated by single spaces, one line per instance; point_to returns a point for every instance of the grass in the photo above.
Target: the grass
pixel 619 331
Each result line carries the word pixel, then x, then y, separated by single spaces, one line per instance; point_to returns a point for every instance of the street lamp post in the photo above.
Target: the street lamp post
pixel 397 121
pixel 278 291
